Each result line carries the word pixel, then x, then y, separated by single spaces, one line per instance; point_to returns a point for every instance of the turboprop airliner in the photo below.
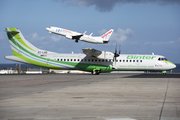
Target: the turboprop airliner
pixel 81 36
pixel 92 60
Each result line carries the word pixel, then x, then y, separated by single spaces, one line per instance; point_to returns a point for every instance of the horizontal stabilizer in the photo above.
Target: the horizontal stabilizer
pixel 14 58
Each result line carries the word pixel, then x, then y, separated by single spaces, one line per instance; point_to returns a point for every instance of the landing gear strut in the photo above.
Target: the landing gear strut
pixel 76 41
pixel 96 72
pixel 164 72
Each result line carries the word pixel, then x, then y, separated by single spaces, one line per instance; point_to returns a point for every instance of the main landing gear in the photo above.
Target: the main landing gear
pixel 96 72
pixel 76 41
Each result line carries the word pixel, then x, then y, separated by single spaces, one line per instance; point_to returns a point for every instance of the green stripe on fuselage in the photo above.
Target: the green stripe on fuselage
pixel 168 62
pixel 34 62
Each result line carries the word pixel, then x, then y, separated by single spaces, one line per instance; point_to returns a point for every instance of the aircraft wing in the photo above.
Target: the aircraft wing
pixel 77 37
pixel 91 52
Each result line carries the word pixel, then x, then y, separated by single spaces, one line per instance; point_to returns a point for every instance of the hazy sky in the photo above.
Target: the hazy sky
pixel 140 26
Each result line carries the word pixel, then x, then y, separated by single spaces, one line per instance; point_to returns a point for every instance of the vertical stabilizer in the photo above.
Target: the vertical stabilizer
pixel 18 42
pixel 107 35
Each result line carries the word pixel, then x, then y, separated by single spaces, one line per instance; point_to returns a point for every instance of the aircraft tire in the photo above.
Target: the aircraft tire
pixel 96 72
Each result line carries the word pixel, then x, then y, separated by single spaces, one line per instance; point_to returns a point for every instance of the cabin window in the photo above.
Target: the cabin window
pixel 126 60
pixel 67 59
pixel 137 61
pixel 99 60
pixel 64 59
pixel 102 60
pixel 95 60
pixel 71 60
pixel 123 60
pixel 92 60
pixel 130 60
pixel 140 60
pixel 89 60
pixel 78 59
pixel 74 59
pixel 81 59
pixel 133 60
pixel 162 59
pixel 119 60
pixel 85 60
pixel 116 60
pixel 61 59
pixel 57 59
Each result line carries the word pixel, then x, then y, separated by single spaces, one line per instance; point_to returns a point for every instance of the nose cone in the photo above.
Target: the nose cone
pixel 173 66
pixel 48 28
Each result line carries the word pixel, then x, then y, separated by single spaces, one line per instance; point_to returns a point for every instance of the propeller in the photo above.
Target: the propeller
pixel 116 54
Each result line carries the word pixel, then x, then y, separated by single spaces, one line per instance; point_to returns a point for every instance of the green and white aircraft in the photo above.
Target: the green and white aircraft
pixel 92 60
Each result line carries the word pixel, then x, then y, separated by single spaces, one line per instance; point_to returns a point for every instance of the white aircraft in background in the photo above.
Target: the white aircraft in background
pixel 92 60
pixel 81 36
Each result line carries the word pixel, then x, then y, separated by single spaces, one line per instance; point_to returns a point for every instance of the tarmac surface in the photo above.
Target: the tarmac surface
pixel 90 97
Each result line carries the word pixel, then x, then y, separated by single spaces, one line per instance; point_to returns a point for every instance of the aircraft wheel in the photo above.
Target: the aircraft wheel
pixel 76 41
pixel 97 72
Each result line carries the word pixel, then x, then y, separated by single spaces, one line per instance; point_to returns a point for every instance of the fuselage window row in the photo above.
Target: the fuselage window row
pixel 95 60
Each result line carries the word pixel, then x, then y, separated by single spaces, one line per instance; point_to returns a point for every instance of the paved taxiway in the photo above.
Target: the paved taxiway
pixel 90 97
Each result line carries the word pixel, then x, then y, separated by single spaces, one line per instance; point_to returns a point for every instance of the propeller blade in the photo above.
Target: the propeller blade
pixel 116 49
pixel 119 49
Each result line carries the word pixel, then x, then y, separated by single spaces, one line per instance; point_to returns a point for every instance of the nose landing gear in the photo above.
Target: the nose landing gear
pixel 164 72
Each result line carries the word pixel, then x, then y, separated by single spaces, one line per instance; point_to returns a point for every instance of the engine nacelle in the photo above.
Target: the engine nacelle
pixel 68 36
pixel 106 55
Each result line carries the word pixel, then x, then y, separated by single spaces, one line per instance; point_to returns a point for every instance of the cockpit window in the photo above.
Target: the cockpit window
pixel 160 59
